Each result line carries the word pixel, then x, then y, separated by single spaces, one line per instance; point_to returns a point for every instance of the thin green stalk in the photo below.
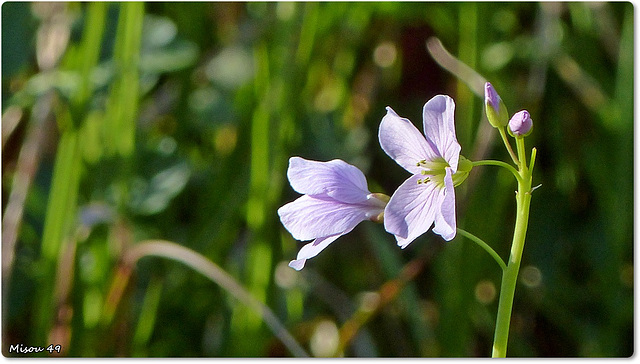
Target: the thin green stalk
pixel 510 274
pixel 61 206
pixel 259 257
pixel 147 319
pixel 503 135
pixel 307 33
pixel 204 266
pixel 62 196
pixel 92 38
pixel 122 106
pixel 522 154
pixel 509 167
pixel 59 219
pixel 484 246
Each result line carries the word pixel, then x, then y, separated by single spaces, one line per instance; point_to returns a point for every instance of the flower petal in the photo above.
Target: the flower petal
pixel 445 225
pixel 335 178
pixel 439 128
pixel 311 217
pixel 402 141
pixel 311 250
pixel 412 209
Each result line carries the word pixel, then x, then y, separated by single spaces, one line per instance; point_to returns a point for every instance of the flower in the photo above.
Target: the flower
pixel 495 109
pixel 335 200
pixel 520 124
pixel 428 196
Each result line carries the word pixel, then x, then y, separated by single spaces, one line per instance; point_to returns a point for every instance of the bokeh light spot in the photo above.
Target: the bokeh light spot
pixel 385 54
pixel 285 276
pixel 485 292
pixel 369 301
pixel 225 140
pixel 531 276
pixel 325 339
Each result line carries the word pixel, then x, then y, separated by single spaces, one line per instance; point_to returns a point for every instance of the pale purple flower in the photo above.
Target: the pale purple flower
pixel 520 123
pixel 336 199
pixel 427 197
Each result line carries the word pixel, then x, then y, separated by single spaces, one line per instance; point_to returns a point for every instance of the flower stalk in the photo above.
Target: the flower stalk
pixel 503 135
pixel 502 164
pixel 510 273
pixel 484 246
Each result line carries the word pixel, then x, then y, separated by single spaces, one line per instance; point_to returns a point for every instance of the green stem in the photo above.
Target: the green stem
pixel 63 194
pixel 122 103
pixel 522 154
pixel 500 164
pixel 484 246
pixel 503 135
pixel 510 274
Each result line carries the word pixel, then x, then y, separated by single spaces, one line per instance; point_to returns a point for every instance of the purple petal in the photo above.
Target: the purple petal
pixel 491 97
pixel 445 225
pixel 439 128
pixel 412 209
pixel 335 178
pixel 311 250
pixel 402 141
pixel 311 217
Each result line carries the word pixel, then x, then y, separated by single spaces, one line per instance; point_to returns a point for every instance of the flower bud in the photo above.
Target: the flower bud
pixel 520 124
pixel 494 107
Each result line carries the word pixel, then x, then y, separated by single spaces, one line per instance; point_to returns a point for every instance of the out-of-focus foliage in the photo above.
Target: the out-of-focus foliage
pixel 175 121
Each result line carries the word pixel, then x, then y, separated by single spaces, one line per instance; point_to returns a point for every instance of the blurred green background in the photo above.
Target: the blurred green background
pixel 124 122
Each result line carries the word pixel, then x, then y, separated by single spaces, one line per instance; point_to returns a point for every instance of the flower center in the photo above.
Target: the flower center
pixel 433 167
pixel 433 170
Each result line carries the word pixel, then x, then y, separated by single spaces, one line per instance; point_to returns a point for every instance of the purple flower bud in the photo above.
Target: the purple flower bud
pixel 494 107
pixel 491 97
pixel 520 124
